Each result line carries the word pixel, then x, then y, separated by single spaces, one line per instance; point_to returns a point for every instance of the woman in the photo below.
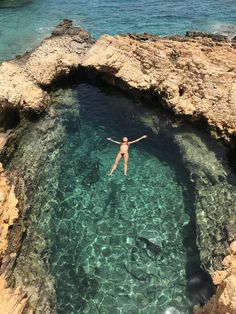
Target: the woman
pixel 124 147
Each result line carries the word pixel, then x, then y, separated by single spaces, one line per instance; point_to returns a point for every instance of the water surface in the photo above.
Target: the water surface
pixel 100 264
pixel 24 23
pixel 85 244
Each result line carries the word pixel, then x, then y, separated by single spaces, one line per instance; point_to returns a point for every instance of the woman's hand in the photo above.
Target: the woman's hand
pixel 108 138
pixel 145 136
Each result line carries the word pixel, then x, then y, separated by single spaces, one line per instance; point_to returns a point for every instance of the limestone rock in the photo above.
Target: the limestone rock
pixel 224 301
pixel 11 301
pixel 194 77
pixel 212 192
pixel 37 161
pixel 8 210
pixel 18 89
pixel 57 55
pixel 214 37
pixel 21 80
pixel 233 248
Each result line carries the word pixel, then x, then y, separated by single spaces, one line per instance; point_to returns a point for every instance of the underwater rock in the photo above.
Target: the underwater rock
pixel 70 120
pixel 214 195
pixel 39 162
pixel 64 98
pixel 154 248
pixel 92 174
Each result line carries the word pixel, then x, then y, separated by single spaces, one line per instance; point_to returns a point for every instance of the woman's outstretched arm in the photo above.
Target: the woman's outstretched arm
pixel 138 139
pixel 111 140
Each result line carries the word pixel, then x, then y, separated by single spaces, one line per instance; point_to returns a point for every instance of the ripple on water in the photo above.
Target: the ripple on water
pixel 24 26
pixel 96 226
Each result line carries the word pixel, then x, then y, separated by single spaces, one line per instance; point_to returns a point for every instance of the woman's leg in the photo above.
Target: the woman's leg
pixel 126 158
pixel 118 157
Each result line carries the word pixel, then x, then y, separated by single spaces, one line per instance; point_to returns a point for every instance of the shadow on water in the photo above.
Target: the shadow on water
pixel 122 122
pixel 73 285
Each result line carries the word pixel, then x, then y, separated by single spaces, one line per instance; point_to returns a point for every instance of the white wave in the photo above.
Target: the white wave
pixel 224 29
pixel 45 29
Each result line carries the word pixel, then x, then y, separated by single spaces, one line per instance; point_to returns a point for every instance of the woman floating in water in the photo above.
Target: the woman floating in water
pixel 124 147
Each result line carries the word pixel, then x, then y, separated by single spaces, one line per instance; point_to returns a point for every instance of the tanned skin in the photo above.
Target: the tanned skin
pixel 124 147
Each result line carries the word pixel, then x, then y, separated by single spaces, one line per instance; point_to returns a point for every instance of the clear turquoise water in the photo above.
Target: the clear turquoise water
pixel 98 262
pixel 84 227
pixel 24 23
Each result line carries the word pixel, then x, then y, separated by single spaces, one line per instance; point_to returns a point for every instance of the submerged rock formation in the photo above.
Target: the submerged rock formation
pixel 40 168
pixel 193 76
pixel 30 179
pixel 214 189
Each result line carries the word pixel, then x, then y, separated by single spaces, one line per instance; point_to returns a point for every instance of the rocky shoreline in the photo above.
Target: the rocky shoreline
pixel 193 76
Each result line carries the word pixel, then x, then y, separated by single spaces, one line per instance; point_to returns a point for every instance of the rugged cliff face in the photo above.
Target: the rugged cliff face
pixel 11 300
pixel 193 76
pixel 22 79
pixel 224 301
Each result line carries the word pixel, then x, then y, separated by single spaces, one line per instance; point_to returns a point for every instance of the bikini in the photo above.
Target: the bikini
pixel 122 154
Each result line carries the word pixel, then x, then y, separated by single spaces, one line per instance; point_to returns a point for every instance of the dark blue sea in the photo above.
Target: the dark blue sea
pixel 23 23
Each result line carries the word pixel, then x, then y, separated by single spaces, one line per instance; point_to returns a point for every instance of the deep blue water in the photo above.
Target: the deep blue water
pixel 23 23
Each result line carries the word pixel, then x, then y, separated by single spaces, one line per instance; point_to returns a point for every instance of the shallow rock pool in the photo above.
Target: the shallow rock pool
pixel 93 239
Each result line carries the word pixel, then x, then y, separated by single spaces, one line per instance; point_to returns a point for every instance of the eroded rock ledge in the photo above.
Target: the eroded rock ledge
pixel 11 300
pixel 194 76
pixel 22 79
pixel 224 301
